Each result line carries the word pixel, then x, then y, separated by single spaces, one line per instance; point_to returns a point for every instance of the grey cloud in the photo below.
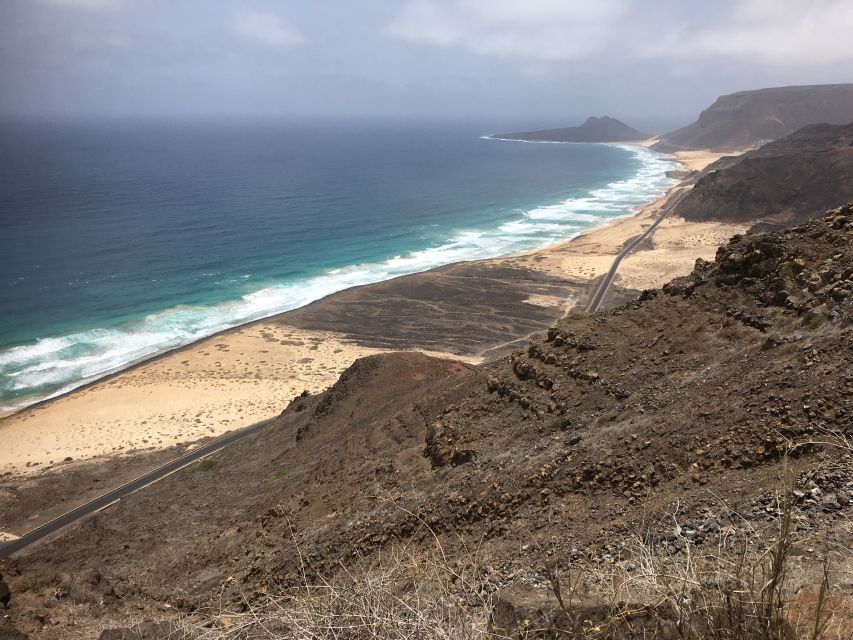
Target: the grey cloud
pixel 529 63
pixel 266 28
pixel 86 4
pixel 772 32
pixel 533 30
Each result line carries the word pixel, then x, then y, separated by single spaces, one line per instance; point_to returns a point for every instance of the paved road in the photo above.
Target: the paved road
pixel 601 292
pixel 8 548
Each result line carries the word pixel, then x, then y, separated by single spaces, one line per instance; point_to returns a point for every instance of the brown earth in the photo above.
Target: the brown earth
pixel 468 308
pixel 782 183
pixel 678 407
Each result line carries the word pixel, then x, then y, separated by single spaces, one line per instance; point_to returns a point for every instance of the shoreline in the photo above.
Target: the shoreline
pixel 249 372
pixel 85 383
pixel 645 143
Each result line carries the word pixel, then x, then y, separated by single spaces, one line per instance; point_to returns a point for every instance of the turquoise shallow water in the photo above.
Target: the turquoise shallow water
pixel 121 241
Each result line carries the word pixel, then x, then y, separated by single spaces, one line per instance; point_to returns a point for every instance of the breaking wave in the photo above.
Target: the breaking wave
pixel 54 365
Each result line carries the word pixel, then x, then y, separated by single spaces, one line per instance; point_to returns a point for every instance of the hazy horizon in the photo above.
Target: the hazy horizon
pixel 540 63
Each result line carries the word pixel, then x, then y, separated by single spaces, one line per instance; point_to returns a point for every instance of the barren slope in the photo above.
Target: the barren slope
pixel 750 118
pixel 681 404
pixel 782 183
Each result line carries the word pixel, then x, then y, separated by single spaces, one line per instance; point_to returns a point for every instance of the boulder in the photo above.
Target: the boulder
pixel 440 449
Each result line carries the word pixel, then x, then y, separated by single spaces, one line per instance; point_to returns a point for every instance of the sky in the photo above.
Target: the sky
pixel 653 63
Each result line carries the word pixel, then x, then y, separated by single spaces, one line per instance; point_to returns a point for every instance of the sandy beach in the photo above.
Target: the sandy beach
pixel 245 375
pixel 216 385
pixel 671 251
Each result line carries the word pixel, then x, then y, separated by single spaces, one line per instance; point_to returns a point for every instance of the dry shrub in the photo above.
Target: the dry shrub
pixel 81 586
pixel 740 591
pixel 400 595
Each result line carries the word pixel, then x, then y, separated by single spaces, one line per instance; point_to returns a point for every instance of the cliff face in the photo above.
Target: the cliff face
pixel 749 118
pixel 782 183
pixel 603 129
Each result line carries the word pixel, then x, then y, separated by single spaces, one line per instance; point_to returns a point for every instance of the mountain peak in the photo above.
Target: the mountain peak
pixel 594 129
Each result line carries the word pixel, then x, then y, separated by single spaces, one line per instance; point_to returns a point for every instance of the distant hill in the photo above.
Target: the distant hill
pixel 603 129
pixel 784 182
pixel 750 118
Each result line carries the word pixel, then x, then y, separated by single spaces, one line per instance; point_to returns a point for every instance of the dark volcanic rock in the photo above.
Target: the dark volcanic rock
pixel 441 447
pixel 784 182
pixel 603 129
pixel 749 118
pixel 5 594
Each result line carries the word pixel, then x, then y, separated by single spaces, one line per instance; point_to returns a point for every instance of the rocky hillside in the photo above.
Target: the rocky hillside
pixel 603 129
pixel 684 407
pixel 750 118
pixel 783 182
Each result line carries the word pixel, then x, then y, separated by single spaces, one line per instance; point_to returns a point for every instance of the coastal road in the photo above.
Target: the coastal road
pixel 105 500
pixel 10 547
pixel 601 292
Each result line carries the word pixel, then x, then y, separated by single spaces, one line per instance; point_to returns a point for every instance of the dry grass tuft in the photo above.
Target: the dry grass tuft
pixel 399 596
pixel 744 589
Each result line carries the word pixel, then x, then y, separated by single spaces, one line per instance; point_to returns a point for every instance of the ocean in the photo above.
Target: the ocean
pixel 119 241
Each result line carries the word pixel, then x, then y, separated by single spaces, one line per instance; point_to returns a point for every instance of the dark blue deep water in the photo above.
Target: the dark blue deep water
pixel 119 241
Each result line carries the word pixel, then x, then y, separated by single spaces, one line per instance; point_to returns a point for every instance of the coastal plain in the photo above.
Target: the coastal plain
pixel 473 311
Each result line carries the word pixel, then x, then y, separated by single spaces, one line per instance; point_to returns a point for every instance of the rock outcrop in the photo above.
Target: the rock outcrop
pixel 782 183
pixel 603 129
pixel 5 594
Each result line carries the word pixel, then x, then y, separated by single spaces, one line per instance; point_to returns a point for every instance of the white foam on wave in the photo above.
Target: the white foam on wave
pixel 64 362
pixel 494 137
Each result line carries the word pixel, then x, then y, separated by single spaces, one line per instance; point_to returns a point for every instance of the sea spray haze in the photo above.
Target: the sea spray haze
pixel 120 241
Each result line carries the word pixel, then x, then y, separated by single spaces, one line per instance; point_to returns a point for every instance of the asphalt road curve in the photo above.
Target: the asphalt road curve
pixel 10 547
pixel 598 298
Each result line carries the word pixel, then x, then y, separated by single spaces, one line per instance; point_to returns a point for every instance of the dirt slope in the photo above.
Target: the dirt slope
pixel 680 404
pixel 782 183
